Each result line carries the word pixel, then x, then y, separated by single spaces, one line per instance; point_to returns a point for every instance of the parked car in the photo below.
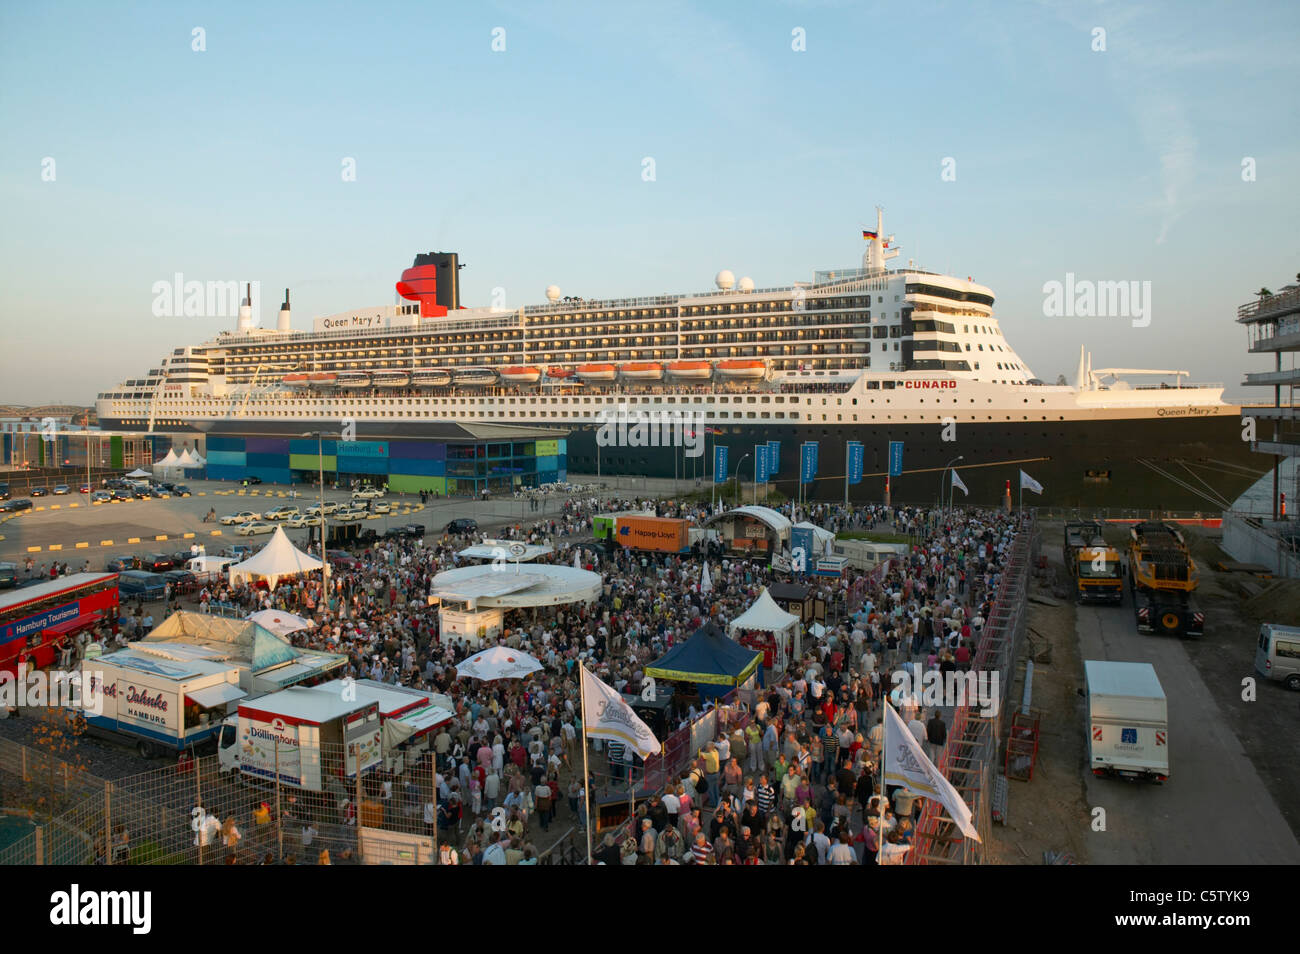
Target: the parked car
pixel 231 519
pixel 255 527
pixel 161 492
pixel 4 491
pixel 15 506
pixel 281 513
pixel 180 490
pixel 157 563
pixel 182 581
pixel 40 491
pixel 141 493
pixel 331 506
pixel 350 514
pixel 300 522
pixel 252 480
pixel 121 563
pixel 380 506
pixel 140 584
pixel 61 489
pixel 367 493
pixel 8 574
pixel 461 525
pixel 83 489
pixel 120 494
pixel 101 496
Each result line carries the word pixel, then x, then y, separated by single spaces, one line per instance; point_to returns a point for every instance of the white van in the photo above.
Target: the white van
pixel 208 568
pixel 1278 654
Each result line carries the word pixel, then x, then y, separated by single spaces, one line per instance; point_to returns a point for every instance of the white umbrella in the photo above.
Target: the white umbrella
pixel 706 584
pixel 499 662
pixel 280 622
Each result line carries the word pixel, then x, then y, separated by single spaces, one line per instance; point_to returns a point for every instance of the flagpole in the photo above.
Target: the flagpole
pixel 586 775
pixel 880 829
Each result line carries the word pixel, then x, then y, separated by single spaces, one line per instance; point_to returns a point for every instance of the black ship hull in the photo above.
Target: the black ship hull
pixel 1183 464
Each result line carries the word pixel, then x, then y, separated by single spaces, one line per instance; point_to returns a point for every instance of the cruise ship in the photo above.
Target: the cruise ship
pixel 870 353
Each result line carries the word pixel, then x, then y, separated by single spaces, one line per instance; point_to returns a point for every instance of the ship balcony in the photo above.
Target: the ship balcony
pixel 1269 344
pixel 1284 302
pixel 1273 378
pixel 1283 448
pixel 1285 413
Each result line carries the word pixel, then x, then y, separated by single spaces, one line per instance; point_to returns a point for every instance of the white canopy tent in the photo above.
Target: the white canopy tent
pixel 280 622
pixel 186 462
pixel 764 615
pixel 278 558
pixel 821 536
pixel 138 473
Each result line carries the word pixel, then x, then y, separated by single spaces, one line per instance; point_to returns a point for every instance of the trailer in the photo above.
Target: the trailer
pixel 157 705
pixel 304 737
pixel 654 534
pixel 1128 721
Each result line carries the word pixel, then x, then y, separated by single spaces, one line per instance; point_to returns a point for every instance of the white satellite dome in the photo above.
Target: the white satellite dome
pixel 747 284
pixel 553 292
pixel 725 279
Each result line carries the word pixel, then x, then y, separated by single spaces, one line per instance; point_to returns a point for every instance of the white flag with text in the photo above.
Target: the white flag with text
pixel 959 484
pixel 607 716
pixel 906 764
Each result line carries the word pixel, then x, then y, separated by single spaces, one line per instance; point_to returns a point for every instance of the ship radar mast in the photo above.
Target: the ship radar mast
pixel 880 247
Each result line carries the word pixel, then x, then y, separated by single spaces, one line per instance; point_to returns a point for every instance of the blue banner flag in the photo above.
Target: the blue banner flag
pixel 802 555
pixel 895 458
pixel 719 463
pixel 807 462
pixel 760 463
pixel 773 458
pixel 855 457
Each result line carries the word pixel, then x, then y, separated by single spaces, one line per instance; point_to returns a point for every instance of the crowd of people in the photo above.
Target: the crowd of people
pixel 791 777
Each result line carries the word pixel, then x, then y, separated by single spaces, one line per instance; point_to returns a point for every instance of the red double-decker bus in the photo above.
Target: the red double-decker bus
pixel 35 621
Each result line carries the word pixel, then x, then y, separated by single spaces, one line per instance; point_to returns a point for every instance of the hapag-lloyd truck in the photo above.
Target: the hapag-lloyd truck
pixel 304 736
pixel 156 704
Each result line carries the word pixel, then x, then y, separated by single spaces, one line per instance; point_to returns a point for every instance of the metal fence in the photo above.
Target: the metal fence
pixel 969 760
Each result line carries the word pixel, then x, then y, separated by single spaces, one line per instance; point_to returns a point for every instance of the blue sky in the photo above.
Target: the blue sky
pixel 1124 164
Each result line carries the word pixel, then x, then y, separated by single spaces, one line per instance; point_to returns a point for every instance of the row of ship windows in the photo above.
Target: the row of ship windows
pixel 721 416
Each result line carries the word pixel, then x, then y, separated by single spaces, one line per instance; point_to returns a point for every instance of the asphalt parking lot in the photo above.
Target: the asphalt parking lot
pixel 69 528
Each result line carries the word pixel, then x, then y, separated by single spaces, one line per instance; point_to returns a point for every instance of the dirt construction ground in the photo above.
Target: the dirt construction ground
pixel 1233 735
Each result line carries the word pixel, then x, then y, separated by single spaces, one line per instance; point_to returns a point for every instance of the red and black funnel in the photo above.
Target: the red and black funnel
pixel 433 281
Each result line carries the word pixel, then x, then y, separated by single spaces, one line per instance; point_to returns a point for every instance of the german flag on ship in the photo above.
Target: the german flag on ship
pixel 868 236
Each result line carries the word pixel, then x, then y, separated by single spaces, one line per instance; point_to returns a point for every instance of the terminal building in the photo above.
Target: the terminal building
pixel 463 461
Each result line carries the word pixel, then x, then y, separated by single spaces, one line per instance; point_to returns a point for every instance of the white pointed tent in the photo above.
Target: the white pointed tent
pixel 764 615
pixel 186 462
pixel 277 559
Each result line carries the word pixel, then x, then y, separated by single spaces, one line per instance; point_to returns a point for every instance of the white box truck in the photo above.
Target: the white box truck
pixel 1128 721
pixel 303 736
pixel 159 705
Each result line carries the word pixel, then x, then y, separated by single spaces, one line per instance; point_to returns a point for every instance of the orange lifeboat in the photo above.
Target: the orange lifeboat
pixel 746 370
pixel 295 380
pixel 597 372
pixel 690 370
pixel 559 373
pixel 642 371
pixel 521 375
pixel 322 379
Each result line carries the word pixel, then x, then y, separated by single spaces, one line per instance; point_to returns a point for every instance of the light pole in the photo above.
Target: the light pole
pixel 324 554
pixel 736 475
pixel 944 474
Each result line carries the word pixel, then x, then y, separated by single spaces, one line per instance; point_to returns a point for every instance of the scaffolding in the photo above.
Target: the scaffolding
pixel 970 758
